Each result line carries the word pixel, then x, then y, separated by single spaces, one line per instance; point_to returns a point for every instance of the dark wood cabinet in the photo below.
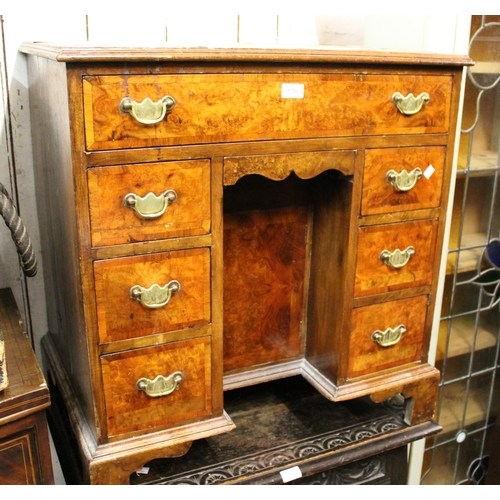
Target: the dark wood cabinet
pixel 25 456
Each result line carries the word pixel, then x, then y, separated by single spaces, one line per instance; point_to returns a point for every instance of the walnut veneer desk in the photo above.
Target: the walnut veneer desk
pixel 215 219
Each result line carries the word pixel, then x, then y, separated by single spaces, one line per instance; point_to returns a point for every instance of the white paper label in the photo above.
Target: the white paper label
pixel 144 470
pixel 429 171
pixel 292 90
pixel 290 474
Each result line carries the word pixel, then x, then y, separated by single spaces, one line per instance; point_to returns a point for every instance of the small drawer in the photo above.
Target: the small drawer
pixel 149 201
pixel 154 293
pixel 402 179
pixel 395 256
pixel 386 335
pixel 133 111
pixel 135 401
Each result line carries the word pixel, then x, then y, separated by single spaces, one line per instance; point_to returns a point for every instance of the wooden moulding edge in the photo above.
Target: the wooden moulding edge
pixel 367 385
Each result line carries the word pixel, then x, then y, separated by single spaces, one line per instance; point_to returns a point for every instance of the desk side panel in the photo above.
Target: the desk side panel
pixel 55 192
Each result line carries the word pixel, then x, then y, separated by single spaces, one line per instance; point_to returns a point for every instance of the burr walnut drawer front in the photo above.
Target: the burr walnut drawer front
pixel 160 386
pixel 395 256
pixel 402 179
pixel 143 202
pixel 131 111
pixel 386 335
pixel 153 293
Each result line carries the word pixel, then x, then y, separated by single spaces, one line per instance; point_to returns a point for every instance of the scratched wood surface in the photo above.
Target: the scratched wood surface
pixel 25 456
pixel 285 424
pixel 27 390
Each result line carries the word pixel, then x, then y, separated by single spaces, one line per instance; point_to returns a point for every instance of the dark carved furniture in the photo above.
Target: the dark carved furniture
pixel 287 433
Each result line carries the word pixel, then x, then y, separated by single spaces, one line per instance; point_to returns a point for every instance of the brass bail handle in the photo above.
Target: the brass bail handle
pixel 150 206
pixel 148 112
pixel 159 386
pixel 397 259
pixel 388 337
pixel 403 181
pixel 155 296
pixel 410 105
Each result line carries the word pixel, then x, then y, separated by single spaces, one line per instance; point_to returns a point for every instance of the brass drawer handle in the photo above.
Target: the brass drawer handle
pixel 150 206
pixel 147 112
pixel 397 258
pixel 160 386
pixel 155 296
pixel 410 104
pixel 403 181
pixel 388 337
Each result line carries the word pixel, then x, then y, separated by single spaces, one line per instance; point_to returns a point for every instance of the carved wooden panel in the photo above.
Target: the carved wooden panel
pixel 287 424
pixel 279 167
pixel 369 471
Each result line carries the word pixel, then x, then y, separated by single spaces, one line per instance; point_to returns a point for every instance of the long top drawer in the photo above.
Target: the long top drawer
pixel 132 111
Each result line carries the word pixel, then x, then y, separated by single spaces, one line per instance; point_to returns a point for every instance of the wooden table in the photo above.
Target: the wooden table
pixel 24 439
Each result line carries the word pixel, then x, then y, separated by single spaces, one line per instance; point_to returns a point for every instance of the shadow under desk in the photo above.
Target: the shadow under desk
pixel 287 433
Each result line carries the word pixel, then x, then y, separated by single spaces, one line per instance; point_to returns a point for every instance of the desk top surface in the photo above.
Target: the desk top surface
pixel 240 53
